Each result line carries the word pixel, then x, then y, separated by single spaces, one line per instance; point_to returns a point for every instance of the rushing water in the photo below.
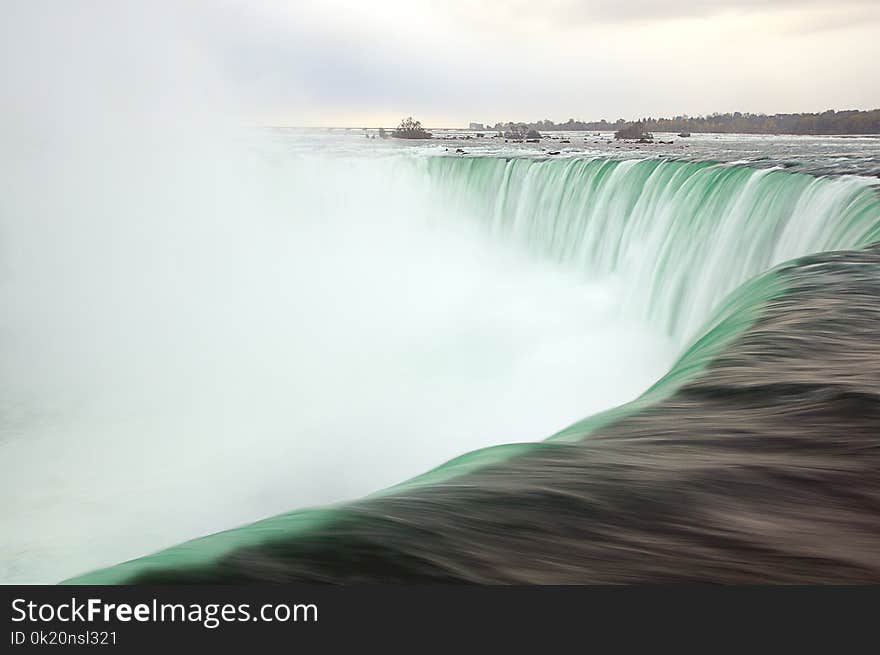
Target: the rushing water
pixel 189 349
pixel 191 345
pixel 682 234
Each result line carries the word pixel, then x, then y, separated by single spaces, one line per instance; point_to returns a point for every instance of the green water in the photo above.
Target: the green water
pixel 685 234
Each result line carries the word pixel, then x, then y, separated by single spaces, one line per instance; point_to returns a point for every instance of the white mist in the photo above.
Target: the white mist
pixel 201 328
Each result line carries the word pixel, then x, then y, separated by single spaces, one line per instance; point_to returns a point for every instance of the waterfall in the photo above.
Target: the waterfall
pixel 682 234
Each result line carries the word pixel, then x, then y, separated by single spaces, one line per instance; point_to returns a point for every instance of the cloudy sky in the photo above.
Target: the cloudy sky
pixel 448 62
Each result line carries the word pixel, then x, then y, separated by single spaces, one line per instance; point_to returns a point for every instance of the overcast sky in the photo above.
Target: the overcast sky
pixel 447 62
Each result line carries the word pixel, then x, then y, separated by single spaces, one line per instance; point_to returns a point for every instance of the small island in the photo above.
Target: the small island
pixel 636 131
pixel 521 132
pixel 410 129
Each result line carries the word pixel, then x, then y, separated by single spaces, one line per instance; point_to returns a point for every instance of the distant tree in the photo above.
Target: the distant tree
pixel 520 132
pixel 515 131
pixel 635 130
pixel 410 129
pixel 382 133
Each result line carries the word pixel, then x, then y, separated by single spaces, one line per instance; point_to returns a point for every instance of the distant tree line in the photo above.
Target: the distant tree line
pixel 550 126
pixel 828 122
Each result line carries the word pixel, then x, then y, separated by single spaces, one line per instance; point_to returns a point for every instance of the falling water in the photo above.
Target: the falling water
pixel 683 235
pixel 198 342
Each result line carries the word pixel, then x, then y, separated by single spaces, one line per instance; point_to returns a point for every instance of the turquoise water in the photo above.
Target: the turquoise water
pixel 683 234
pixel 695 242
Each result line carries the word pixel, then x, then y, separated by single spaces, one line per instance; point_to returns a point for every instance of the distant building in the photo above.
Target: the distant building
pixel 477 126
